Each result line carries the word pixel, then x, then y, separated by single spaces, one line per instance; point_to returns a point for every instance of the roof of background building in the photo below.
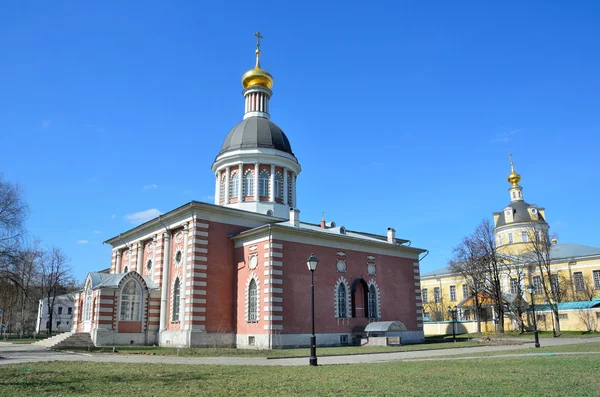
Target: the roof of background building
pixel 256 132
pixel 558 251
pixel 520 214
pixel 103 280
pixel 569 305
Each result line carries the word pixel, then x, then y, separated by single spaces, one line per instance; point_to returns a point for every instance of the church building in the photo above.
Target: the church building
pixel 234 273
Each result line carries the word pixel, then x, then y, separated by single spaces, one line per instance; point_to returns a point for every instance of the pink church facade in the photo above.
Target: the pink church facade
pixel 233 273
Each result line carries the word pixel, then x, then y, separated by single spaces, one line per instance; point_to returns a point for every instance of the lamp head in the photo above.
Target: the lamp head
pixel 312 262
pixel 530 288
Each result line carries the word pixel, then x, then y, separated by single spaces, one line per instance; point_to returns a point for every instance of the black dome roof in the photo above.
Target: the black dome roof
pixel 520 214
pixel 256 132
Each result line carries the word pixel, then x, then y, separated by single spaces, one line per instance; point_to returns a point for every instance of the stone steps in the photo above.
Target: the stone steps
pixel 68 339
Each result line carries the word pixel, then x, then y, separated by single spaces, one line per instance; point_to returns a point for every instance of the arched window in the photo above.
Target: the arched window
pixel 126 269
pixel 341 301
pixel 235 185
pixel 249 184
pixel 176 300
pixel 130 301
pixel 149 267
pixel 222 189
pixel 263 184
pixel 252 302
pixel 372 302
pixel 278 186
pixel 87 310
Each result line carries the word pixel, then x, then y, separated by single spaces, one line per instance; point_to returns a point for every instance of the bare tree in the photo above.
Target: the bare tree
pixel 517 304
pixel 13 212
pixel 485 247
pixel 466 262
pixel 56 277
pixel 540 248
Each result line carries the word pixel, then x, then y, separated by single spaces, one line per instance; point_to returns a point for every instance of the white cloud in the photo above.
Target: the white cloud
pixel 142 216
pixel 151 187
pixel 45 124
pixel 505 137
pixel 82 241
pixel 97 232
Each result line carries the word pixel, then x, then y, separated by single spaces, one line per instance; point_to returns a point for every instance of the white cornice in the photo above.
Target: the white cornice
pixel 256 155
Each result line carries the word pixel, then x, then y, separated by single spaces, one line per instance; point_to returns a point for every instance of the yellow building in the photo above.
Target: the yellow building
pixel 522 240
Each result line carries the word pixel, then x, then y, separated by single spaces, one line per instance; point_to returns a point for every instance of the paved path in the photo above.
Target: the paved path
pixel 23 353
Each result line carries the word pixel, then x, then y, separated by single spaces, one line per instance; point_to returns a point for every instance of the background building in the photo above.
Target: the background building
pixel 521 235
pixel 62 315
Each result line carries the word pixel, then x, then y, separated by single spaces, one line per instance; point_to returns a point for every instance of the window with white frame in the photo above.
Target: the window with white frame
pixel 130 301
pixel 554 283
pixel 372 302
pixel 578 281
pixel 176 300
pixel 465 291
pixel 436 295
pixel 499 240
pixel 149 267
pixel 263 184
pixel 524 236
pixel 596 276
pixel 249 184
pixel 514 286
pixel 510 238
pixel 537 284
pixel 278 186
pixel 453 293
pixel 252 302
pixel 87 311
pixel 235 185
pixel 424 297
pixel 342 308
pixel 60 310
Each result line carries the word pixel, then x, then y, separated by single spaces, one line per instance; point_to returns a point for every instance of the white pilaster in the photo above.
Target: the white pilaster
pixel 294 203
pixel 164 288
pixel 272 184
pixel 241 183
pixel 183 286
pixel 217 189
pixel 139 257
pixel 256 170
pixel 285 186
pixel 118 269
pixel 227 185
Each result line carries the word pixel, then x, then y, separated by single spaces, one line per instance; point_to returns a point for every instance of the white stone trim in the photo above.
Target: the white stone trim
pixel 251 277
pixel 377 296
pixel 335 298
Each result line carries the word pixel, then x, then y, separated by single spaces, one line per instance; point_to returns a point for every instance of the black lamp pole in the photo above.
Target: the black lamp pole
pixel 531 289
pixel 312 266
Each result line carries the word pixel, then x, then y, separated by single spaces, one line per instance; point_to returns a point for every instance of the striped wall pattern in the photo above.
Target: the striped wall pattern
pixel 273 285
pixel 418 297
pixel 196 275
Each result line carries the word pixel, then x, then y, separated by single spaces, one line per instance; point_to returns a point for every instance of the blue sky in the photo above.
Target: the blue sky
pixel 402 114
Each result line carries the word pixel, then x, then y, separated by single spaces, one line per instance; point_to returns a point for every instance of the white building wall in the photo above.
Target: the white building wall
pixel 62 318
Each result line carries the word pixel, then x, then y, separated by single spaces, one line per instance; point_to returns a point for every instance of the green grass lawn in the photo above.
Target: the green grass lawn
pixel 531 376
pixel 322 351
pixel 525 335
pixel 576 348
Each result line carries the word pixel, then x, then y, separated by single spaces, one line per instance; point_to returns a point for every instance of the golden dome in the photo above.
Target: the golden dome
pixel 257 76
pixel 513 177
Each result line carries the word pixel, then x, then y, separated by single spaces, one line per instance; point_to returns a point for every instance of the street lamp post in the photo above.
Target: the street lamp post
pixel 312 263
pixel 531 290
pixel 453 313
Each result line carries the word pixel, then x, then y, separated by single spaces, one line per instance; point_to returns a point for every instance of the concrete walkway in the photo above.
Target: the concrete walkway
pixel 23 353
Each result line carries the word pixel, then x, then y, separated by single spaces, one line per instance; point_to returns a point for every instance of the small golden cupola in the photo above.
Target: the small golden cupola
pixel 257 76
pixel 516 193
pixel 257 88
